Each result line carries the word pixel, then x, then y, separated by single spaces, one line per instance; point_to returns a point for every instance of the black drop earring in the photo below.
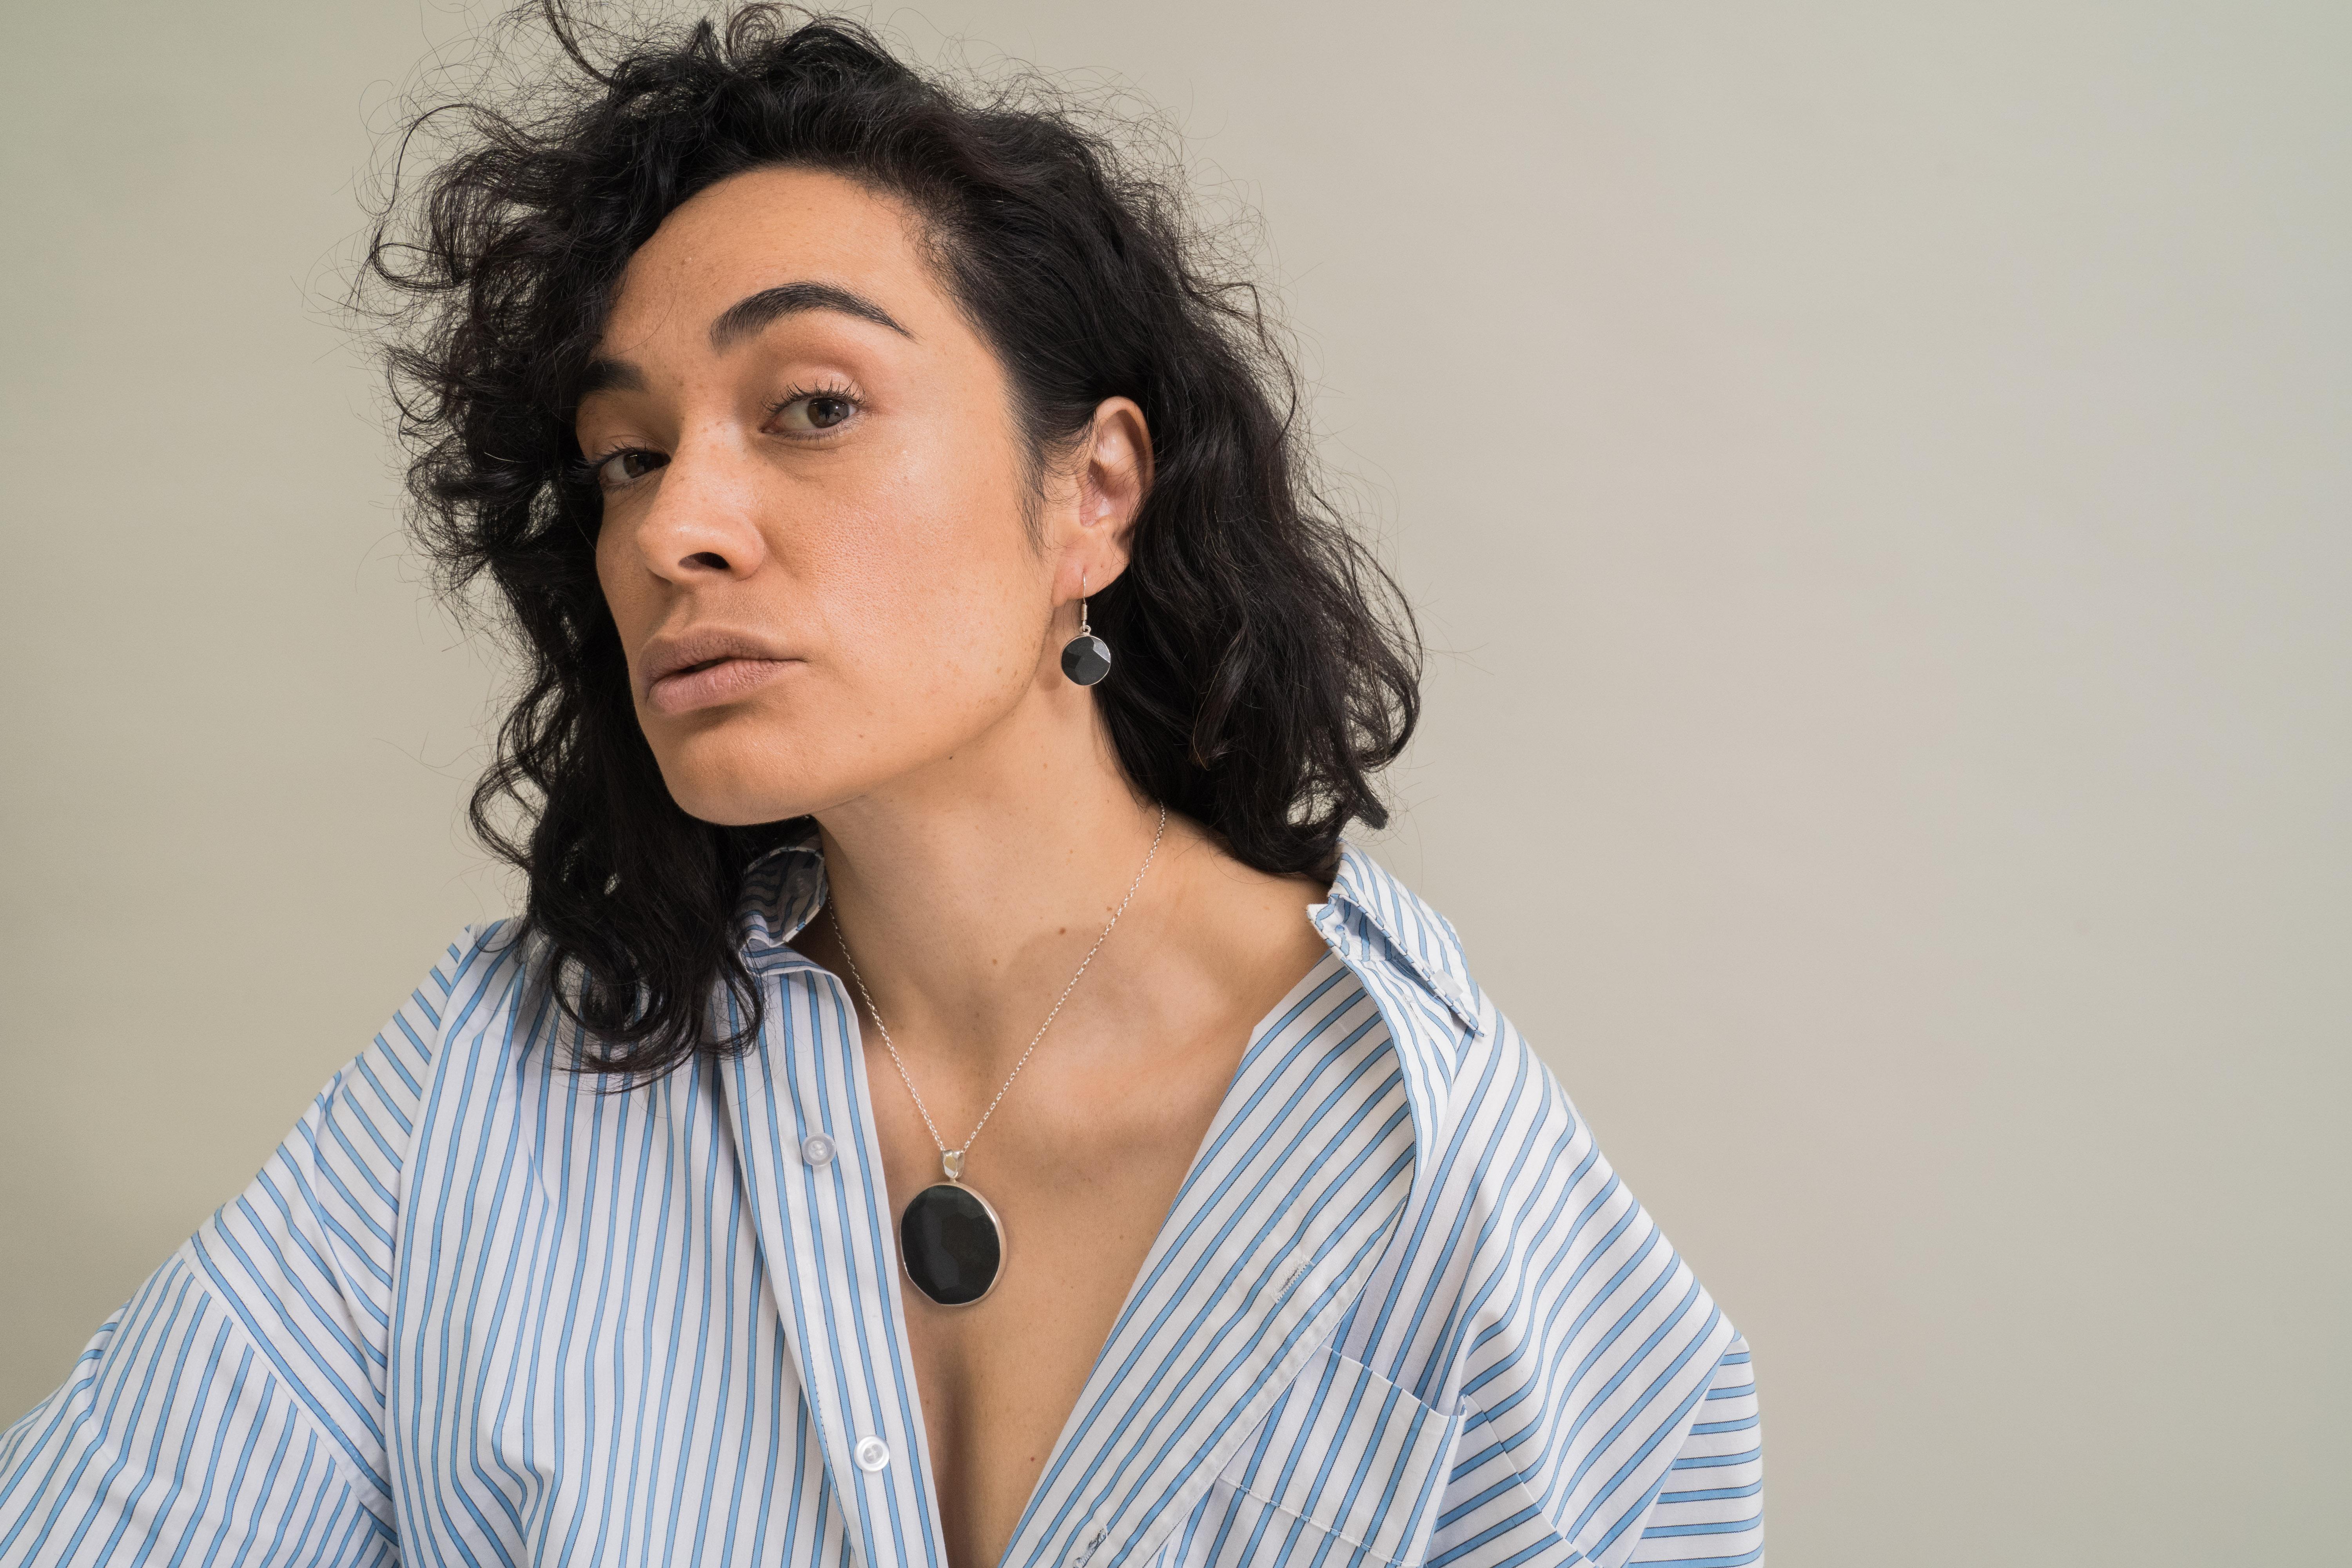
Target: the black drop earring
pixel 1086 657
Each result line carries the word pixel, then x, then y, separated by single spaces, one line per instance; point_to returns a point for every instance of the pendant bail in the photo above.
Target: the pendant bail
pixel 951 1162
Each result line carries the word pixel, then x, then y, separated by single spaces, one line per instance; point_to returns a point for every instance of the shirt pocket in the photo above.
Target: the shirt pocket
pixel 1353 1455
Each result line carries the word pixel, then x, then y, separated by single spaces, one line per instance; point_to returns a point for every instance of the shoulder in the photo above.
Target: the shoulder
pixel 1468 1066
pixel 366 1115
pixel 488 963
pixel 488 988
pixel 456 1010
pixel 1506 1166
pixel 392 1071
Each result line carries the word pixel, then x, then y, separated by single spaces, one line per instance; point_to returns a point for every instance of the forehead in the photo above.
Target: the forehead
pixel 766 227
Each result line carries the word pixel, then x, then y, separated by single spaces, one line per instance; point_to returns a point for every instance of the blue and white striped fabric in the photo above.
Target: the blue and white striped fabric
pixel 474 1311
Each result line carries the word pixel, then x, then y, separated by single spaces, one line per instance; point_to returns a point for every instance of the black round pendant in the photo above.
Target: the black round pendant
pixel 1085 659
pixel 951 1245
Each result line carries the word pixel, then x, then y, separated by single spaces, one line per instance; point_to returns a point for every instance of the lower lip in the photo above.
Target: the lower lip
pixel 713 684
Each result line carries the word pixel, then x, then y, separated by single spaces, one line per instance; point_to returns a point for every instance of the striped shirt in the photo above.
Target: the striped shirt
pixel 474 1311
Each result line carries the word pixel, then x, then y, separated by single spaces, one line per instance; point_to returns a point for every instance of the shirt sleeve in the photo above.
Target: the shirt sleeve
pixel 1710 1512
pixel 1608 1408
pixel 232 1411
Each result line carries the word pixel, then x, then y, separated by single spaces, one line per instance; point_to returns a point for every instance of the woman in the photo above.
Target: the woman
pixel 953 1096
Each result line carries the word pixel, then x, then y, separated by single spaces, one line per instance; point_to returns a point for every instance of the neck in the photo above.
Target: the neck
pixel 969 893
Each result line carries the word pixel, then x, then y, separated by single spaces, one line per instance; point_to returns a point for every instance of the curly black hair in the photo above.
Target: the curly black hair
pixel 1267 665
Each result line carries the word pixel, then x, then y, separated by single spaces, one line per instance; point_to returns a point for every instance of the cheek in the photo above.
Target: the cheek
pixel 942 592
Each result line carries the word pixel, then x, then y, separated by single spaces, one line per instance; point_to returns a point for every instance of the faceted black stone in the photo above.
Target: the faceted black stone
pixel 1085 659
pixel 951 1243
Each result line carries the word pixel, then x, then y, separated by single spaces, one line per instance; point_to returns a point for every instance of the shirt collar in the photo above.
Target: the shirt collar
pixel 1416 936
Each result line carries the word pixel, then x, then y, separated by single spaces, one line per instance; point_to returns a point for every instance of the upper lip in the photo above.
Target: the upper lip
pixel 666 656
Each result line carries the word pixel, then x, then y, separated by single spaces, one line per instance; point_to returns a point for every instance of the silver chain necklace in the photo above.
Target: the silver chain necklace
pixel 950 1241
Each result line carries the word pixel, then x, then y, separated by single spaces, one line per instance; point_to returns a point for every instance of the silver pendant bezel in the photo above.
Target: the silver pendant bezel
pixel 1003 1244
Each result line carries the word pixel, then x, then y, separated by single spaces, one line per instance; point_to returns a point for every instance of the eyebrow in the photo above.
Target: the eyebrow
pixel 748 315
pixel 741 320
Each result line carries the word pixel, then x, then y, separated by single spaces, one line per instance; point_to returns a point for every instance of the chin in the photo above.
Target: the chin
pixel 738 782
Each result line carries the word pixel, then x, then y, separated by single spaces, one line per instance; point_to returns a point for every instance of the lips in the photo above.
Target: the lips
pixel 708 667
pixel 707 684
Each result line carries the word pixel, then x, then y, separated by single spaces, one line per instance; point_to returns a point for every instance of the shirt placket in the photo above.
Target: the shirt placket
pixel 805 1128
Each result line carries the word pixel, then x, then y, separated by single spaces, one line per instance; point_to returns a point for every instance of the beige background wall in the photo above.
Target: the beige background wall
pixel 1879 478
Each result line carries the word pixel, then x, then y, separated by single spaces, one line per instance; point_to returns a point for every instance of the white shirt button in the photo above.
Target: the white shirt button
pixel 1450 988
pixel 871 1454
pixel 817 1150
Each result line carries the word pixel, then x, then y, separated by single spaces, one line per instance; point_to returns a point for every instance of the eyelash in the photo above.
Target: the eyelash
pixel 585 469
pixel 827 389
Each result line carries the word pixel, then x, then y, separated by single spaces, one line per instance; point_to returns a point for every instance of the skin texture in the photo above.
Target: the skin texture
pixel 885 540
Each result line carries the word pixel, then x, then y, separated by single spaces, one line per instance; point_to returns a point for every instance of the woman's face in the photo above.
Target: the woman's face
pixel 811 475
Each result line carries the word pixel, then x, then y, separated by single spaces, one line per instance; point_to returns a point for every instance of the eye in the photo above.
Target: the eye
pixel 801 413
pixel 626 467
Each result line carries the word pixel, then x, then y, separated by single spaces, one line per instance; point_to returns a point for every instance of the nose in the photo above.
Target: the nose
pixel 703 520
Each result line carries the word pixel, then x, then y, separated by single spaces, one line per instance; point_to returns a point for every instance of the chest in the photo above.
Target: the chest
pixel 1080 1174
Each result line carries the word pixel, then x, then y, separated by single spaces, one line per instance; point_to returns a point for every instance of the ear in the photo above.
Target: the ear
pixel 1114 475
